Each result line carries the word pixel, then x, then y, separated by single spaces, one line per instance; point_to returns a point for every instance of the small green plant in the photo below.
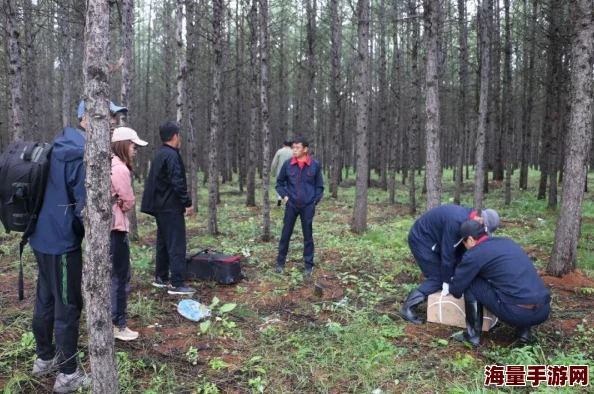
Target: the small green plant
pixel 258 384
pixel 206 387
pixel 221 318
pixel 218 363
pixel 192 355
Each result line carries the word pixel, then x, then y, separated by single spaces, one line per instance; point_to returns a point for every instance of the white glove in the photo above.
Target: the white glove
pixel 445 289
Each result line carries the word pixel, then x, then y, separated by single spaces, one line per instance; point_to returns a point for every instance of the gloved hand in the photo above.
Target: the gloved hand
pixel 445 289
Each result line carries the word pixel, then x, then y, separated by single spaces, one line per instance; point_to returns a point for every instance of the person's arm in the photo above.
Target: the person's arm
pixel 448 251
pixel 275 163
pixel 319 185
pixel 122 184
pixel 177 180
pixel 281 181
pixel 465 273
pixel 78 194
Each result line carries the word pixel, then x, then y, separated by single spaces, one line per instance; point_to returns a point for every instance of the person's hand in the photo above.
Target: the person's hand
pixel 286 199
pixel 190 211
pixel 120 202
pixel 445 289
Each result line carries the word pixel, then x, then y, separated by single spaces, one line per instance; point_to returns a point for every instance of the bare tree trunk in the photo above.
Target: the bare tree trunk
pixel 529 99
pixel 97 264
pixel 251 175
pixel 265 120
pixel 14 69
pixel 240 100
pixel 65 49
pixel 485 21
pixel 396 91
pixel 181 57
pixel 494 122
pixel 462 118
pixel 310 8
pixel 413 133
pixel 155 140
pixel 383 136
pixel 31 54
pixel 336 87
pixel 213 174
pixel 563 257
pixel 192 23
pixel 359 223
pixel 508 100
pixel 432 167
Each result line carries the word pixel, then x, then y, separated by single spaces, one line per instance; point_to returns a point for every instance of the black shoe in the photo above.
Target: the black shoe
pixel 279 268
pixel 308 271
pixel 160 283
pixel 180 290
pixel 523 335
pixel 279 202
pixel 474 324
pixel 407 312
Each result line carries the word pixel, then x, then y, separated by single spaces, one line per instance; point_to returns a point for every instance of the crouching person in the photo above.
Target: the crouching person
pixel 496 273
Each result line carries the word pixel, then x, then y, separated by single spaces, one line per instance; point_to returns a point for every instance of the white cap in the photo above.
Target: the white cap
pixel 127 134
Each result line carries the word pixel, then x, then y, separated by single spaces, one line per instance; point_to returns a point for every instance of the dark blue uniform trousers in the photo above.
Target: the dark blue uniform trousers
pixel 57 309
pixel 306 214
pixel 120 277
pixel 482 291
pixel 171 247
pixel 431 269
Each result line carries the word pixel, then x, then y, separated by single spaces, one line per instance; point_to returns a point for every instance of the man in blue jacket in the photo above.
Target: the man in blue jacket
pixel 497 273
pixel 301 186
pixel 166 197
pixel 56 243
pixel 431 241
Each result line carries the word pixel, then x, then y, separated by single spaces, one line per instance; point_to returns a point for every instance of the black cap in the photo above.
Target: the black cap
pixel 471 228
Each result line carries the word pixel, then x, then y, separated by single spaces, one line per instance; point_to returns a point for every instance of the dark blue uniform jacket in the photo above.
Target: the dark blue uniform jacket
pixel 304 186
pixel 506 266
pixel 433 236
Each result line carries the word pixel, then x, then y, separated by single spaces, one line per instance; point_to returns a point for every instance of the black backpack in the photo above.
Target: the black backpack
pixel 24 169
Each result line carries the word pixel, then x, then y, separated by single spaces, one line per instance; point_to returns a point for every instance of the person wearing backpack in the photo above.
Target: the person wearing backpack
pixel 56 242
pixel 123 147
pixel 166 197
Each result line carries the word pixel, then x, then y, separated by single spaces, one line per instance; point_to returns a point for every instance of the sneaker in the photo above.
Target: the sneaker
pixel 279 268
pixel 182 290
pixel 71 383
pixel 160 283
pixel 308 271
pixel 41 367
pixel 124 334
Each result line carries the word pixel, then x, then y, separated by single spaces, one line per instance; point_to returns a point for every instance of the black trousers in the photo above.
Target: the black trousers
pixel 171 247
pixel 120 277
pixel 58 305
pixel 306 214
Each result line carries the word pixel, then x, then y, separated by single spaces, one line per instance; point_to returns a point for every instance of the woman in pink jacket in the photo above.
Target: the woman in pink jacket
pixel 123 146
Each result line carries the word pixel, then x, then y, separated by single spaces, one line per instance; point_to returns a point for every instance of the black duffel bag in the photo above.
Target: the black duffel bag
pixel 210 266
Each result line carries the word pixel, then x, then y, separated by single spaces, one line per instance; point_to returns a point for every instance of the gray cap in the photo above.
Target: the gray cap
pixel 491 220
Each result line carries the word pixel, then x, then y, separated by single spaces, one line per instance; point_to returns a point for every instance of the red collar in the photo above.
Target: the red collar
pixel 481 239
pixel 301 163
pixel 472 215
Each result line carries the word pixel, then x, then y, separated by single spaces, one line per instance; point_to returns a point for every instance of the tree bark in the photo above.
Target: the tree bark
pixel 413 133
pixel 563 257
pixel 192 23
pixel 65 50
pixel 383 135
pixel 252 157
pixel 462 118
pixel 265 120
pixel 396 92
pixel 310 9
pixel 181 58
pixel 359 223
pixel 494 122
pixel 97 264
pixel 14 69
pixel 508 100
pixel 336 87
pixel 485 20
pixel 213 174
pixel 432 166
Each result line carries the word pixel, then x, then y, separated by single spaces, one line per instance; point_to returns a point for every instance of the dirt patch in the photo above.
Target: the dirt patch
pixel 573 281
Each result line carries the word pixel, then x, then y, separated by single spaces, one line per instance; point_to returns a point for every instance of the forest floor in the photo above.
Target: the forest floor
pixel 282 338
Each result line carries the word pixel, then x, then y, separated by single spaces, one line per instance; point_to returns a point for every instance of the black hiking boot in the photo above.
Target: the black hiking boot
pixel 523 335
pixel 407 312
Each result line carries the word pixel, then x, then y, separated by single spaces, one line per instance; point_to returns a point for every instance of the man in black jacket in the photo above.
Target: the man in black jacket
pixel 166 198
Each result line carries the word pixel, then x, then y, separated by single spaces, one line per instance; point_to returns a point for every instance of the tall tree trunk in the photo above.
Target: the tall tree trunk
pixel 508 100
pixel 413 133
pixel 432 167
pixel 251 175
pixel 14 69
pixel 31 54
pixel 359 223
pixel 396 91
pixel 213 174
pixel 310 8
pixel 192 26
pixel 336 87
pixel 181 57
pixel 147 86
pixel 265 119
pixel 496 134
pixel 485 21
pixel 383 99
pixel 462 118
pixel 564 254
pixel 97 264
pixel 240 100
pixel 529 97
pixel 65 49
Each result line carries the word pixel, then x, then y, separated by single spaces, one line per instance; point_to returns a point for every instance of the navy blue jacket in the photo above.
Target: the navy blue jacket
pixel 433 236
pixel 303 186
pixel 506 266
pixel 60 228
pixel 166 187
